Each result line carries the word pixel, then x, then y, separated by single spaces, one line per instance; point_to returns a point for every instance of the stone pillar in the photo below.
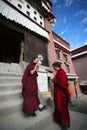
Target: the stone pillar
pixel 43 79
pixel 77 88
pixel 21 58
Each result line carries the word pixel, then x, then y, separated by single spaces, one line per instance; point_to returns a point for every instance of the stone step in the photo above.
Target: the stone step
pixel 19 121
pixel 11 74
pixel 9 87
pixel 43 121
pixel 10 107
pixel 10 95
pixel 13 68
pixel 9 79
pixel 10 103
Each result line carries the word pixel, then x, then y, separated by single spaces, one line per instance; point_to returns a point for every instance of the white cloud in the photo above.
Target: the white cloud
pixel 80 12
pixel 63 32
pixel 77 45
pixel 68 2
pixel 84 20
pixel 54 1
pixel 64 38
pixel 85 43
pixel 85 30
pixel 74 46
pixel 64 20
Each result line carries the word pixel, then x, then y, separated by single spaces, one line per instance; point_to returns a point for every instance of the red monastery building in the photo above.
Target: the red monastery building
pixel 79 58
pixel 25 31
pixel 63 55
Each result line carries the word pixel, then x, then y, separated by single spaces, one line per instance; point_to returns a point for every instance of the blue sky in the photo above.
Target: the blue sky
pixel 71 21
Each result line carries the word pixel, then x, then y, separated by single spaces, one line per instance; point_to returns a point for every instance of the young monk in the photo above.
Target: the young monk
pixel 61 97
pixel 30 88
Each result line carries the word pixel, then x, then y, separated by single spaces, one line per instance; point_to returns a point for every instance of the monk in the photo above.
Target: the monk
pixel 61 97
pixel 30 88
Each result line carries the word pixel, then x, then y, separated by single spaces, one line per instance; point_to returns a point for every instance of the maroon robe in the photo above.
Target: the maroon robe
pixel 61 98
pixel 30 90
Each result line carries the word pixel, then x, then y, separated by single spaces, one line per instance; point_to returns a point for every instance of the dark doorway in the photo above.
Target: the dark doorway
pixel 10 41
pixel 83 89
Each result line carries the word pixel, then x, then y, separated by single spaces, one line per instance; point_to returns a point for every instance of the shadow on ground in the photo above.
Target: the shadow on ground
pixel 79 104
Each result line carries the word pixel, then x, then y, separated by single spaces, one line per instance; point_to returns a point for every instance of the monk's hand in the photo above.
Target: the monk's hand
pixel 36 66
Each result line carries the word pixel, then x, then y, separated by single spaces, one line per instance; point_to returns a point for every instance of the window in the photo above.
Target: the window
pixel 35 12
pixel 28 13
pixel 67 68
pixel 28 6
pixel 35 18
pixel 58 53
pixel 40 17
pixel 19 6
pixel 65 58
pixel 41 23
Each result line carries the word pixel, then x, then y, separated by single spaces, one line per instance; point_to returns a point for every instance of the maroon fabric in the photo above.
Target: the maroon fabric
pixel 61 98
pixel 30 90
